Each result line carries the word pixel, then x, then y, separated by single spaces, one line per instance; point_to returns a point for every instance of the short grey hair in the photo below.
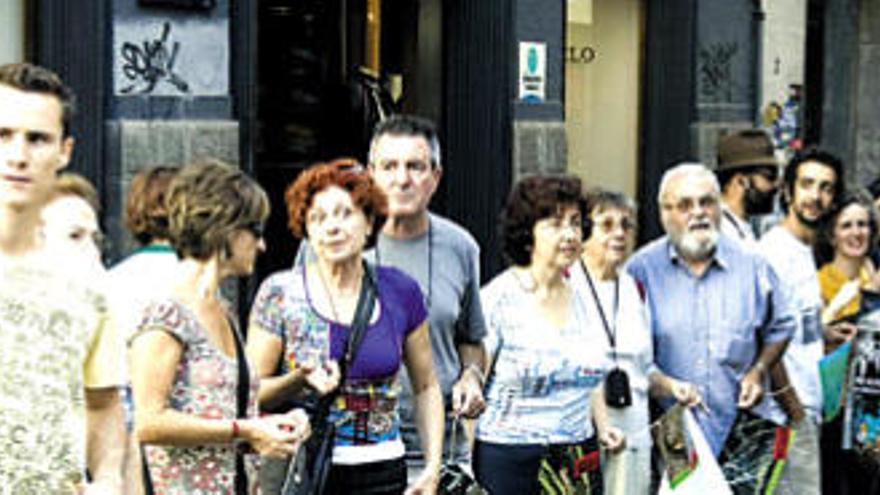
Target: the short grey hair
pixel 686 169
pixel 408 126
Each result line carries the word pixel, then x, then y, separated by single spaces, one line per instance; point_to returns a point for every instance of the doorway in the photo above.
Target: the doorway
pixel 327 71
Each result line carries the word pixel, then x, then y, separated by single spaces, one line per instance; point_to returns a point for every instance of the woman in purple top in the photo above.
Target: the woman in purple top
pixel 301 320
pixel 195 394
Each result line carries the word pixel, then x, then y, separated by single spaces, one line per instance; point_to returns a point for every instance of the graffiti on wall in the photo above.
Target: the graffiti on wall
pixel 181 56
pixel 152 61
pixel 716 71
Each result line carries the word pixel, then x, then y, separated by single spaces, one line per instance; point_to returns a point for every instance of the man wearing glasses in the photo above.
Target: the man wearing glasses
pixel 748 173
pixel 719 320
pixel 443 258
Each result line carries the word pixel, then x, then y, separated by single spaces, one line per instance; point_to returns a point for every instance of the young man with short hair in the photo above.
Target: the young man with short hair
pixel 59 405
pixel 813 182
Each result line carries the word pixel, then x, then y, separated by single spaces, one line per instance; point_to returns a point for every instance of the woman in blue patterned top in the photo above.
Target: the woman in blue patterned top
pixel 302 318
pixel 545 361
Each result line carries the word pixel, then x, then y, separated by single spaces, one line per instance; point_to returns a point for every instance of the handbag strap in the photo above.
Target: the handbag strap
pixel 362 314
pixel 244 385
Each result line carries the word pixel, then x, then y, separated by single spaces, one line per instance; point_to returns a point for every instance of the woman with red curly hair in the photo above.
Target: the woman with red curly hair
pixel 302 319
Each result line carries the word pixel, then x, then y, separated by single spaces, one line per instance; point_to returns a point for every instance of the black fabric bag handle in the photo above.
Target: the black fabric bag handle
pixel 244 385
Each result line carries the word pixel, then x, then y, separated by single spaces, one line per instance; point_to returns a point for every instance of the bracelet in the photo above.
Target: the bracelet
pixel 235 429
pixel 762 369
pixel 780 390
pixel 476 369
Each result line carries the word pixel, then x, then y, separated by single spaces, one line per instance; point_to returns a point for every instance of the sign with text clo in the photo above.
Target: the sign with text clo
pixel 532 71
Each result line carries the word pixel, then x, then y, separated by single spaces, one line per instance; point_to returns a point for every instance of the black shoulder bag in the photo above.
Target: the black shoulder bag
pixel 307 473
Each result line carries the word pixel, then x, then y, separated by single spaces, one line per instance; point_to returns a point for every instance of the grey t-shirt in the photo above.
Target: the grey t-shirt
pixel 445 261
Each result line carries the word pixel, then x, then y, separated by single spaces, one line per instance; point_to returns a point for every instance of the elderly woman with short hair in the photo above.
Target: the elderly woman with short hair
pixel 195 394
pixel 302 320
pixel 622 329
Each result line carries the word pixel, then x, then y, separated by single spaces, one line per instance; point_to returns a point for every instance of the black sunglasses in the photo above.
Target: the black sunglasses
pixel 256 228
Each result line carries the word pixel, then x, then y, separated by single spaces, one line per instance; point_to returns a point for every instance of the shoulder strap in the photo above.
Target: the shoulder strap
pixel 360 322
pixel 244 385
pixel 363 312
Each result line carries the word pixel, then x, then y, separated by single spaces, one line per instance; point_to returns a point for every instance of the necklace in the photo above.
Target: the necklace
pixel 529 288
pixel 329 295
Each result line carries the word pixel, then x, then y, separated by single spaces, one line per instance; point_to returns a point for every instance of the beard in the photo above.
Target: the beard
pixel 812 223
pixel 757 202
pixel 695 246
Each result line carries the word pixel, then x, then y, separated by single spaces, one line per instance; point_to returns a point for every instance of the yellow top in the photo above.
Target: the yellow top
pixel 831 279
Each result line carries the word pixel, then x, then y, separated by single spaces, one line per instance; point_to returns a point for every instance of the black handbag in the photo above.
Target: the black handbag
pixel 307 473
pixel 454 480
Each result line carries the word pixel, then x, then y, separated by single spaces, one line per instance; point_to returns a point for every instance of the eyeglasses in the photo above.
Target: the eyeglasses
pixel 256 228
pixel 685 205
pixel 608 224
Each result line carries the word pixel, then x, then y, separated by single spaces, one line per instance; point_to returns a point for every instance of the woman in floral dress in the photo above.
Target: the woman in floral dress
pixel 186 355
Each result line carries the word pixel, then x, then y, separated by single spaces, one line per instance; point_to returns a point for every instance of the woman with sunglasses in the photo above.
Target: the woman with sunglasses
pixel 302 320
pixel 195 394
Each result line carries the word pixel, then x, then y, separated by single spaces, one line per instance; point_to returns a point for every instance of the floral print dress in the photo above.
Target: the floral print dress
pixel 205 385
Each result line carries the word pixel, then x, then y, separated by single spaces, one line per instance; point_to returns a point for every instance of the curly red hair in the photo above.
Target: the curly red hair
pixel 345 173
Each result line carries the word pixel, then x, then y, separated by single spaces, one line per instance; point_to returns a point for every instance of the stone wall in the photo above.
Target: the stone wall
pixel 538 127
pixel 867 105
pixel 539 147
pixel 135 144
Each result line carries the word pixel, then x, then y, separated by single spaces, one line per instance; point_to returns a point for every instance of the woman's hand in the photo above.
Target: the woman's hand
pixel 322 379
pixel 425 484
pixel 278 435
pixel 612 439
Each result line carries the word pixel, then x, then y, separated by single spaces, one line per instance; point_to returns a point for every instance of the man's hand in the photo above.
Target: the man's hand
pixel 750 389
pixel 425 484
pixel 685 393
pixel 467 394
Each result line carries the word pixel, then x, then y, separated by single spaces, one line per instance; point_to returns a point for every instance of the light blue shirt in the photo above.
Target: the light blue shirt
pixel 708 330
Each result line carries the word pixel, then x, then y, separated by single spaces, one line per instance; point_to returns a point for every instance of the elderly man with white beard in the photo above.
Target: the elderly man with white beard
pixel 719 317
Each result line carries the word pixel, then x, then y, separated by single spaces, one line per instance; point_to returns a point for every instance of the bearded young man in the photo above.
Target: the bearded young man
pixel 813 182
pixel 719 320
pixel 748 174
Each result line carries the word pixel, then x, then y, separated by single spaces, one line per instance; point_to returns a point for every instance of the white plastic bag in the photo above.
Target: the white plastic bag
pixel 707 477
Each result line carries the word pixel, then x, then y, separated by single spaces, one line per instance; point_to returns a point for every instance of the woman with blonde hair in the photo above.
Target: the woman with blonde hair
pixel 195 394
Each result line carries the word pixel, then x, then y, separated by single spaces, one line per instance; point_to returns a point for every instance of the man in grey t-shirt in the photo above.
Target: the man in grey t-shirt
pixel 442 257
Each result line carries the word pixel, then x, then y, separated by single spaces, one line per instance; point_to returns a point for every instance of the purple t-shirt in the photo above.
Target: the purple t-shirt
pixel 368 409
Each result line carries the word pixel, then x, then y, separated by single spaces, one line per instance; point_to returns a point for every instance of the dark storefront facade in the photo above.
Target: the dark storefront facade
pixel 274 85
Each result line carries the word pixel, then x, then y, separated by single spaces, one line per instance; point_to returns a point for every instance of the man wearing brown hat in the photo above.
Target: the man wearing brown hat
pixel 748 173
